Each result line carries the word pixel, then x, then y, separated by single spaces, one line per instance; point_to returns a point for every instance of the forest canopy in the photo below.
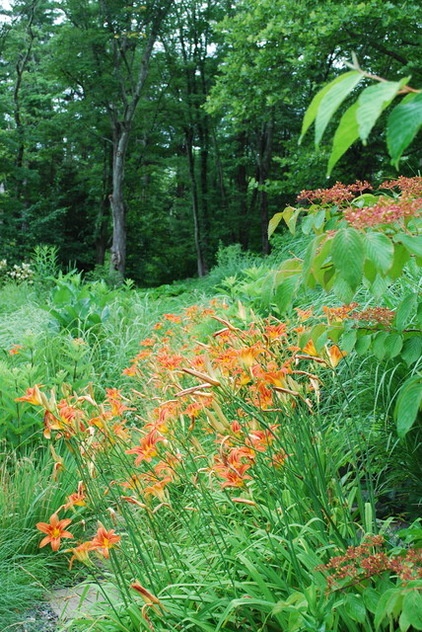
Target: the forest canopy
pixel 153 133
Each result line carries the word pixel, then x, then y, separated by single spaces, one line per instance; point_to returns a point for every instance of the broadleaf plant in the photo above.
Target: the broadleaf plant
pixel 403 123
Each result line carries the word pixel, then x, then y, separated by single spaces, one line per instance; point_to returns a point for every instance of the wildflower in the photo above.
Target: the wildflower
pixel 335 314
pixel 147 447
pixel 55 530
pixel 104 540
pixel 80 553
pixel 78 498
pixel 145 594
pixel 114 399
pixel 34 396
pixel 385 211
pixel 172 318
pixel 15 349
pixel 50 423
pixel 337 194
pixel 275 332
pixel 148 342
pixel 130 371
pixel 410 187
pixel 334 355
pixel 380 315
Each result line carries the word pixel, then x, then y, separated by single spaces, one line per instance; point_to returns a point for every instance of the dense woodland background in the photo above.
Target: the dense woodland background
pixel 160 131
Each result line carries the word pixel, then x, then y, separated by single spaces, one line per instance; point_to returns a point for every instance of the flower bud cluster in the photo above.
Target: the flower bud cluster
pixel 367 560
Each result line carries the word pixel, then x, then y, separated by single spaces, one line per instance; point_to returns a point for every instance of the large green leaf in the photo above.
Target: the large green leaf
pixel 348 255
pixel 403 124
pixel 332 100
pixel 412 349
pixel 380 250
pixel 393 345
pixel 412 607
pixel 274 222
pixel 346 134
pixel 313 109
pixel 371 103
pixel 412 243
pixel 406 310
pixel 408 404
pixel 284 293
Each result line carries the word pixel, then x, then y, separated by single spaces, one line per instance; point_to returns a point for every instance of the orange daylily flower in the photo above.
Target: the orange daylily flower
pixel 335 355
pixel 50 423
pixel 310 349
pixel 34 396
pixel 104 540
pixel 55 530
pixel 145 594
pixel 114 399
pixel 147 447
pixel 78 498
pixel 80 553
pixel 15 349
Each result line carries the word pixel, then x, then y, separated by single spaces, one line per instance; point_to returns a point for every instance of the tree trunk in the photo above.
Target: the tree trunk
pixel 121 125
pixel 201 265
pixel 117 202
pixel 265 152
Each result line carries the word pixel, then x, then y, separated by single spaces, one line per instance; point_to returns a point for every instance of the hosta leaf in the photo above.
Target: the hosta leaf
pixel 348 255
pixel 407 405
pixel 332 100
pixel 403 124
pixel 346 134
pixel 371 103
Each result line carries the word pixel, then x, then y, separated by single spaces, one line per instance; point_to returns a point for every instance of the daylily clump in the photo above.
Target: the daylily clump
pixel 190 412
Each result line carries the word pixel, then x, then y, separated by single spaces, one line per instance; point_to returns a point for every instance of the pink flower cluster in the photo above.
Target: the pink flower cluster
pixel 337 194
pixel 385 211
pixel 366 560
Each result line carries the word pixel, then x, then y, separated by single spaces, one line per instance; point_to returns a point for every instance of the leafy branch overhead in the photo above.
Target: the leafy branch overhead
pixel 403 123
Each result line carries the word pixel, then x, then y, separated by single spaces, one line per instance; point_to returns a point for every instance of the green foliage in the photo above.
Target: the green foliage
pixel 403 123
pixel 367 244
pixel 79 307
pixel 27 493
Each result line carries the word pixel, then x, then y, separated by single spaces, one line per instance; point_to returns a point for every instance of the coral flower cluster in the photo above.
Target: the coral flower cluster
pixel 360 563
